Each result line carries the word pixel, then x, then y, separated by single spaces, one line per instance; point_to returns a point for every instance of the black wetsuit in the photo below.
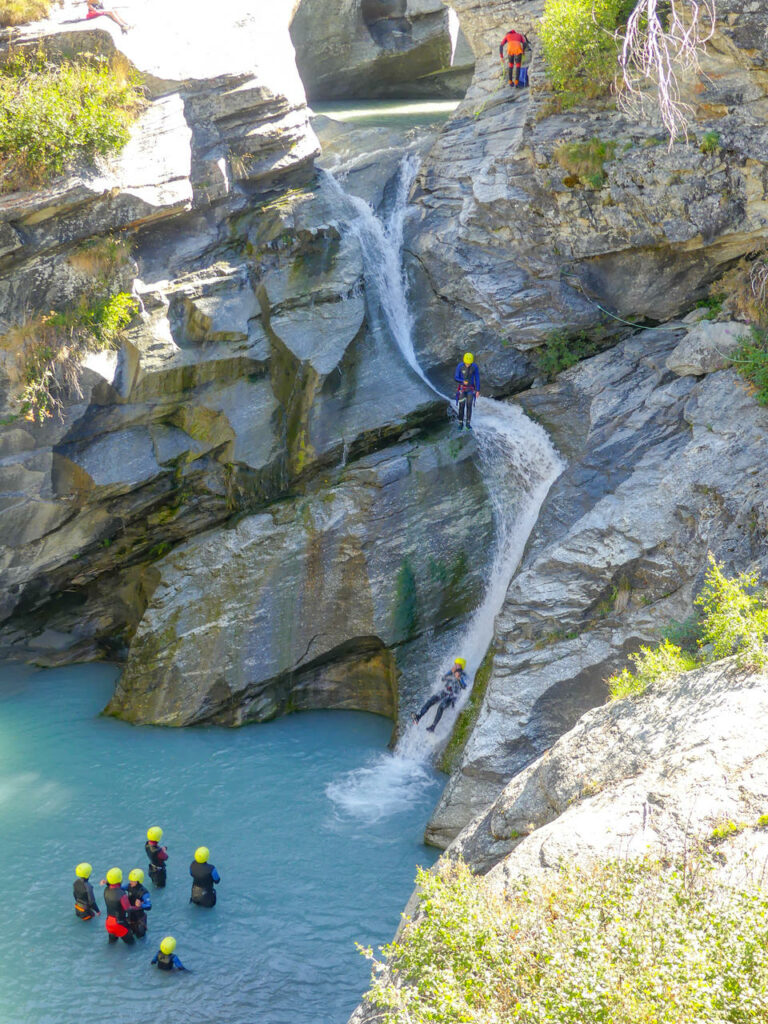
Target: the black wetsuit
pixel 117 915
pixel 157 857
pixel 204 877
pixel 137 916
pixel 445 698
pixel 167 961
pixel 85 902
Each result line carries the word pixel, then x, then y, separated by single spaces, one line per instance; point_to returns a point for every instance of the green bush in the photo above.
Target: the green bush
pixel 54 346
pixel 579 45
pixel 52 114
pixel 710 142
pixel 751 362
pixel 733 620
pixel 585 160
pixel 651 665
pixel 561 351
pixel 626 942
pixel 19 12
pixel 727 829
pixel 735 617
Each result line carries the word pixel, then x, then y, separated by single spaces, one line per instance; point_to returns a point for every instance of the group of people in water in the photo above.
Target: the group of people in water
pixel 127 903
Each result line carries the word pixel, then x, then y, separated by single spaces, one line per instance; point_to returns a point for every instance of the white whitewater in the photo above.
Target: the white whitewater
pixel 519 466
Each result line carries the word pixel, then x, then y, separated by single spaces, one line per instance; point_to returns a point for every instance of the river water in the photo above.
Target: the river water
pixel 302 880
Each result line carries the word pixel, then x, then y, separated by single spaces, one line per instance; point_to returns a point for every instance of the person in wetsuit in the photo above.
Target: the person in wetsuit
pixel 165 958
pixel 85 902
pixel 467 377
pixel 118 905
pixel 204 877
pixel 516 43
pixel 157 856
pixel 454 682
pixel 140 902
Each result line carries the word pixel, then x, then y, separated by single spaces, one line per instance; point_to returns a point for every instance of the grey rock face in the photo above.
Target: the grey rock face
pixel 642 775
pixel 662 470
pixel 251 368
pixel 306 605
pixel 379 48
pixel 653 775
pixel 707 347
pixel 512 245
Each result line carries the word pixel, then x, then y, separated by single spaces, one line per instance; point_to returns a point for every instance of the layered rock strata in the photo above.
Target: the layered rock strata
pixel 663 469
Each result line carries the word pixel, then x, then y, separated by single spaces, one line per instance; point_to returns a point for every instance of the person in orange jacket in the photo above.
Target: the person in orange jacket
pixel 515 43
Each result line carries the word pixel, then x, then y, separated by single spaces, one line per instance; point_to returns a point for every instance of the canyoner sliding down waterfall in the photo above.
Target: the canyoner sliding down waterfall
pixel 519 464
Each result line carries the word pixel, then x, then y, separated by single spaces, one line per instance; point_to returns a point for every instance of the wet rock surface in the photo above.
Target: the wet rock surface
pixel 253 369
pixel 662 470
pixel 255 620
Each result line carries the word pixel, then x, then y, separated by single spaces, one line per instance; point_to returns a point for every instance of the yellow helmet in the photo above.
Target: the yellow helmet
pixel 114 876
pixel 137 875
pixel 461 662
pixel 202 853
pixel 468 358
pixel 168 945
pixel 83 870
pixel 154 834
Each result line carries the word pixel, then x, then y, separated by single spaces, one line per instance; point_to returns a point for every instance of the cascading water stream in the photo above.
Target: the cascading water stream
pixel 519 466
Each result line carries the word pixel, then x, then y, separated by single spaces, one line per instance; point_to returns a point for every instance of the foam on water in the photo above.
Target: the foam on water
pixel 519 466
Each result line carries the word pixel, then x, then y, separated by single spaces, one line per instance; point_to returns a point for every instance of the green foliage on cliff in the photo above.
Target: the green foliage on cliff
pixel 627 942
pixel 651 665
pixel 751 361
pixel 733 621
pixel 20 12
pixel 54 346
pixel 580 46
pixel 406 605
pixel 561 351
pixel 585 161
pixel 51 114
pixel 734 616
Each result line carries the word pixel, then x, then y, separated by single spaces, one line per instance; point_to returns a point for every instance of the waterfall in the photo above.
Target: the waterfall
pixel 519 466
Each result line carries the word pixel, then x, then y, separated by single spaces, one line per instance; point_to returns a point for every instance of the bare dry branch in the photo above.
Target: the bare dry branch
pixel 659 46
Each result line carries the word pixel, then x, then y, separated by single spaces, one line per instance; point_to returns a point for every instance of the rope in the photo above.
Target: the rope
pixel 629 323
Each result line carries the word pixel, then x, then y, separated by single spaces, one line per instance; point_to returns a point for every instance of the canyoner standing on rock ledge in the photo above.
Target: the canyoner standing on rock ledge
pixel 516 43
pixel 467 377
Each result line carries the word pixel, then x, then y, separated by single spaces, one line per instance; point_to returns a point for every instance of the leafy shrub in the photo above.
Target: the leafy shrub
pixel 651 665
pixel 561 350
pixel 52 114
pixel 728 828
pixel 579 45
pixel 710 142
pixel 735 618
pixel 713 305
pixel 19 12
pixel 762 821
pixel 751 362
pixel 57 343
pixel 619 943
pixel 686 634
pixel 585 160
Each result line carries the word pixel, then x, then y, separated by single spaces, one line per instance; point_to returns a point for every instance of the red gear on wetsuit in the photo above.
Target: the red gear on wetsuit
pixel 512 37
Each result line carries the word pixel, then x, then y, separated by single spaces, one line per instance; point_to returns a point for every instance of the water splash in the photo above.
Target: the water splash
pixel 519 466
